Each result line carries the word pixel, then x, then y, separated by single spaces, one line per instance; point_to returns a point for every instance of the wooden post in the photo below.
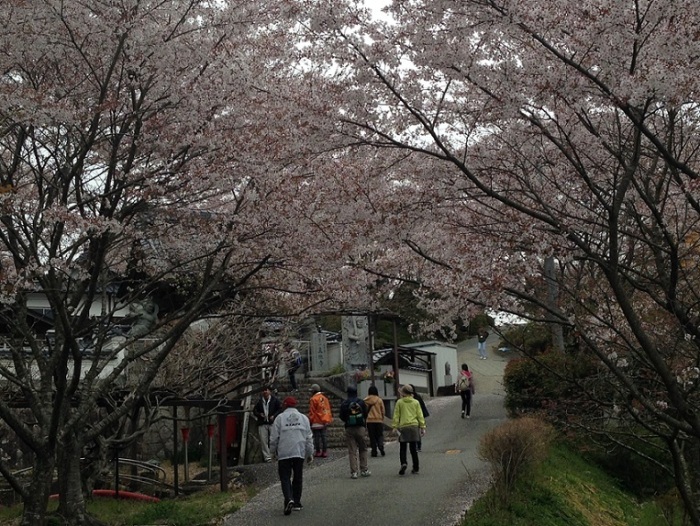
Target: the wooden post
pixel 223 463
pixel 371 349
pixel 186 443
pixel 210 433
pixel 247 405
pixel 116 473
pixel 396 361
pixel 175 464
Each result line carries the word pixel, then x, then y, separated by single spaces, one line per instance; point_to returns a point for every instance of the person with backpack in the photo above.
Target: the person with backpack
pixel 353 411
pixel 409 423
pixel 375 420
pixel 465 387
pixel 291 442
pixel 320 415
pixel 424 410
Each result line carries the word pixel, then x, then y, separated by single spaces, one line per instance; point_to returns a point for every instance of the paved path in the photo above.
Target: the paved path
pixel 451 476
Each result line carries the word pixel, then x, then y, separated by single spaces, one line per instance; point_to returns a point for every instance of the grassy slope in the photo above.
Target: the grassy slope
pixel 195 510
pixel 565 491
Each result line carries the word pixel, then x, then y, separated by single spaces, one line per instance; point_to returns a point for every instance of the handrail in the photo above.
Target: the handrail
pixel 158 479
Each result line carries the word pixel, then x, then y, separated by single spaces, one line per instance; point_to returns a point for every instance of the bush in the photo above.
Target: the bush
pixel 337 369
pixel 546 384
pixel 512 449
pixel 478 321
pixel 530 338
pixel 555 385
pixel 637 472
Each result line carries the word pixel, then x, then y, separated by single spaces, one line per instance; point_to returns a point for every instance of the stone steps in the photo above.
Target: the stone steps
pixel 336 430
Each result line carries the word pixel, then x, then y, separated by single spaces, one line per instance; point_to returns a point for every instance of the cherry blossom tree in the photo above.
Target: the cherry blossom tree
pixel 158 164
pixel 510 133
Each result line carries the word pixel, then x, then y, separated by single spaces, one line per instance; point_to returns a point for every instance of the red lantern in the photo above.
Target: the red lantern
pixel 185 434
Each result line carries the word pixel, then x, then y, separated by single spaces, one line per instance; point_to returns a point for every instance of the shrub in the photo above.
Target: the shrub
pixel 478 321
pixel 512 449
pixel 529 338
pixel 337 369
pixel 632 459
pixel 556 386
pixel 546 384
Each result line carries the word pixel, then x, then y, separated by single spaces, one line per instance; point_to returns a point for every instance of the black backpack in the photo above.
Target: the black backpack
pixel 356 416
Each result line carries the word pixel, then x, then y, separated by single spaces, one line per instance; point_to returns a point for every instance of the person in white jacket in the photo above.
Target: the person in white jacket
pixel 291 441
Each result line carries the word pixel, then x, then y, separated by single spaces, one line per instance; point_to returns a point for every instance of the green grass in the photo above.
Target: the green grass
pixel 10 515
pixel 565 490
pixel 194 510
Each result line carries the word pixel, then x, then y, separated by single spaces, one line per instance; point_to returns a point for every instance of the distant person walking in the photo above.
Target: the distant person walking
pixel 481 342
pixel 424 410
pixel 375 420
pixel 465 387
pixel 291 442
pixel 353 411
pixel 409 423
pixel 265 411
pixel 293 363
pixel 320 415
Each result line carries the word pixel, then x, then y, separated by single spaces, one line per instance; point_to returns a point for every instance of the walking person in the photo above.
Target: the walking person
pixel 291 442
pixel 353 411
pixel 424 410
pixel 409 423
pixel 481 342
pixel 320 415
pixel 375 420
pixel 465 387
pixel 265 411
pixel 293 361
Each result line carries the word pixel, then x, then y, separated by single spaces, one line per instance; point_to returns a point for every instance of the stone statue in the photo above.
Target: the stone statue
pixel 356 340
pixel 146 314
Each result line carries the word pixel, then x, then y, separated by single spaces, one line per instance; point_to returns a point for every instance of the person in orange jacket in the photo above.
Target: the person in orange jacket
pixel 320 415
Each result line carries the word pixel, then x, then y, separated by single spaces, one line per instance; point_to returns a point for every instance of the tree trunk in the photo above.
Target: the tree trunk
pixel 35 505
pixel 71 505
pixel 685 478
pixel 553 304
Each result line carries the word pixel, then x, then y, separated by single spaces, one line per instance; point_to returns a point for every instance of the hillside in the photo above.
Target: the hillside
pixel 566 490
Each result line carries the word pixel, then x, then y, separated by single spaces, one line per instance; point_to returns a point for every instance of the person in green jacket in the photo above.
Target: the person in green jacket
pixel 409 423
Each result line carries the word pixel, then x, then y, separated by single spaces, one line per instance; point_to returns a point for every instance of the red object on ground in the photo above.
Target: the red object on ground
pixel 129 495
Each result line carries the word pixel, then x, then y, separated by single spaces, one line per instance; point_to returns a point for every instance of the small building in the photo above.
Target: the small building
pixel 444 366
pixel 426 365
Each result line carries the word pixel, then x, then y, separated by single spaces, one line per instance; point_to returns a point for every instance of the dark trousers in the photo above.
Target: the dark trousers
pixel 466 401
pixel 291 472
pixel 291 374
pixel 320 439
pixel 375 430
pixel 414 453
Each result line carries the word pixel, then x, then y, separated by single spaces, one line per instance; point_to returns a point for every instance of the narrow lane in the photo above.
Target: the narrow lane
pixel 451 475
